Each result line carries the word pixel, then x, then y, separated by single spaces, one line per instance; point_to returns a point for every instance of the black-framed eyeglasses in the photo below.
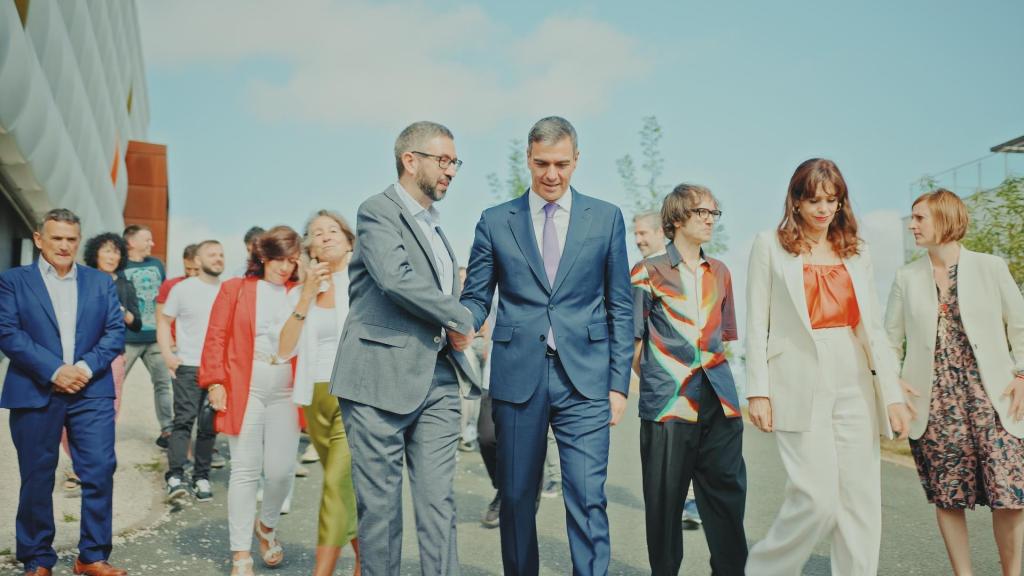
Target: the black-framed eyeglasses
pixel 443 162
pixel 704 213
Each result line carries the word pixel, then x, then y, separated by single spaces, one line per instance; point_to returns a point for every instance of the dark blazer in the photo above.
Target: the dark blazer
pixel 129 299
pixel 30 337
pixel 590 305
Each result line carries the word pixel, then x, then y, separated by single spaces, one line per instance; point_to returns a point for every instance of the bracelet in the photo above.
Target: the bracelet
pixel 213 387
pixel 298 316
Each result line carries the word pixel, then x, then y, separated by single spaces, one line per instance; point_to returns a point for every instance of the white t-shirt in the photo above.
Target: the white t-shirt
pixel 272 312
pixel 189 303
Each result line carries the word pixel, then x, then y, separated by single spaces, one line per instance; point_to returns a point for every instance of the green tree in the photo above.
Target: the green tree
pixel 997 224
pixel 649 195
pixel 517 180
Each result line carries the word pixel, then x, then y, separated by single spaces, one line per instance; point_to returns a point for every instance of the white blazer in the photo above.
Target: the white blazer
pixel 782 359
pixel 306 347
pixel 992 311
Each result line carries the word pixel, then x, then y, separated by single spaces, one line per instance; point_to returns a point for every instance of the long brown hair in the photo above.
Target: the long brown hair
pixel 842 232
pixel 278 243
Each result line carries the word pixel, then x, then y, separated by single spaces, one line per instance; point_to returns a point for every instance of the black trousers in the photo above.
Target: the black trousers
pixel 188 399
pixel 710 453
pixel 486 438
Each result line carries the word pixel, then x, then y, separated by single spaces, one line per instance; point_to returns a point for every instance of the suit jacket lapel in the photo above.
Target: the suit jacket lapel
pixel 38 289
pixel 793 270
pixel 413 225
pixel 521 222
pixel 455 263
pixel 79 300
pixel 579 228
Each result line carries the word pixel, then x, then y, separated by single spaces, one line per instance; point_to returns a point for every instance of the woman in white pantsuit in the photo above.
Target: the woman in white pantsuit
pixel 814 339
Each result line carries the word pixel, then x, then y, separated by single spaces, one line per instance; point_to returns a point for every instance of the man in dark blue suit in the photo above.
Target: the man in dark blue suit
pixel 562 346
pixel 61 325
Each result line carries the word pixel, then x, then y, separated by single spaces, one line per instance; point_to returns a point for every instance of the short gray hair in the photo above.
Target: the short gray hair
pixel 414 137
pixel 652 217
pixel 60 215
pixel 552 130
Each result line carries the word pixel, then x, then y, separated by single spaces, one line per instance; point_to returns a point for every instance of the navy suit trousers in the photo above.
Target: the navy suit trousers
pixel 36 434
pixel 581 429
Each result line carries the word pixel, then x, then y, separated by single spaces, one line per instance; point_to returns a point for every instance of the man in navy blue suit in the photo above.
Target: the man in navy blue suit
pixel 61 325
pixel 562 346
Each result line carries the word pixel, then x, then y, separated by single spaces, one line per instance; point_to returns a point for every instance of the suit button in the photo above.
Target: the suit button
pixel 551 306
pixel 543 337
pixel 437 339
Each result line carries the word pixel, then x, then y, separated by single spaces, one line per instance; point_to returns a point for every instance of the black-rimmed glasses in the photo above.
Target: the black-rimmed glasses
pixel 704 213
pixel 443 162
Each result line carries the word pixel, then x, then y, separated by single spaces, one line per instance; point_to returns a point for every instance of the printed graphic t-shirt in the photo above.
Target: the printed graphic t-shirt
pixel 146 276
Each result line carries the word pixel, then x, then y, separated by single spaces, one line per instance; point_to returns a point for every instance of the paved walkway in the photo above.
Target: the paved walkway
pixel 194 540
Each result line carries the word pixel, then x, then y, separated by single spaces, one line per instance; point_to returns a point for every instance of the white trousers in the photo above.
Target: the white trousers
pixel 265 447
pixel 834 479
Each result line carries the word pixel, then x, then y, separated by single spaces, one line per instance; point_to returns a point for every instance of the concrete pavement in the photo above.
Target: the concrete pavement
pixel 194 540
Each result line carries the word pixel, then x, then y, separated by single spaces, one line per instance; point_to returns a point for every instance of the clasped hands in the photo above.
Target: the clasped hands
pixel 70 379
pixel 459 341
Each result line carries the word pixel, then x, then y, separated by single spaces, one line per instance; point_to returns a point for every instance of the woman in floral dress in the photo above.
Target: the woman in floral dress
pixel 956 317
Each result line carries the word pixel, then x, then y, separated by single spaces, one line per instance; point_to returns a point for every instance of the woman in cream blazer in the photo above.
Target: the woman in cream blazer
pixel 821 375
pixel 959 317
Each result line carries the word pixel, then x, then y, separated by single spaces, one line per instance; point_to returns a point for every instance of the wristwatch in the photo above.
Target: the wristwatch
pixel 299 316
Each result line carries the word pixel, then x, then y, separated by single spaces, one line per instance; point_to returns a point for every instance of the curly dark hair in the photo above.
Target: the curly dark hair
pixel 93 245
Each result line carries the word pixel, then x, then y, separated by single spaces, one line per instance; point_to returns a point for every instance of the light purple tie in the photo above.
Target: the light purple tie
pixel 551 255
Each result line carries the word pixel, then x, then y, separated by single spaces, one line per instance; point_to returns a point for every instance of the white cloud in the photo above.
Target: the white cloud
pixel 388 63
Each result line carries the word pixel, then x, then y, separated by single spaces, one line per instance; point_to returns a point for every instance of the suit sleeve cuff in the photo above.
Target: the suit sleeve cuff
pixel 53 379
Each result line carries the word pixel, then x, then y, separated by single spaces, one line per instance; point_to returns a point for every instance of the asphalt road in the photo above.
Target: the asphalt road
pixel 194 540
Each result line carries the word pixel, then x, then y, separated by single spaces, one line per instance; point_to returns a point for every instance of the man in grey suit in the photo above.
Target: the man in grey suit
pixel 400 367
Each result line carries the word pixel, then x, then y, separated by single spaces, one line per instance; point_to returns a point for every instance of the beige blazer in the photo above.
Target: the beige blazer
pixel 782 359
pixel 992 311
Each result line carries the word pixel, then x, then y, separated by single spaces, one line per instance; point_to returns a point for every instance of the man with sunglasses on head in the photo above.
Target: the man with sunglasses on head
pixel 397 375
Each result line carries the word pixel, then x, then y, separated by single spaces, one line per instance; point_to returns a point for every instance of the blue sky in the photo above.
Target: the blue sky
pixel 272 110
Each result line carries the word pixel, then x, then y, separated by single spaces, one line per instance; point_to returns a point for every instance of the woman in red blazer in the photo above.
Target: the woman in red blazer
pixel 251 388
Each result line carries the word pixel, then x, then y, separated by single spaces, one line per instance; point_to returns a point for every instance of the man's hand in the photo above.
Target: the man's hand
pixel 70 379
pixel 218 397
pixel 760 410
pixel 899 420
pixel 617 402
pixel 461 341
pixel 172 363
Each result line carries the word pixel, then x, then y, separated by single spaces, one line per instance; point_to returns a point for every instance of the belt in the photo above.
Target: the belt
pixel 550 352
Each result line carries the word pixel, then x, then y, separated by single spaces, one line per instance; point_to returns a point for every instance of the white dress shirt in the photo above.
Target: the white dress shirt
pixel 63 292
pixel 430 221
pixel 561 218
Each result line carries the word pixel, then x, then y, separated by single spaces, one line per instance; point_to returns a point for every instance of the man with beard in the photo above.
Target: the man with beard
pixel 396 373
pixel 188 307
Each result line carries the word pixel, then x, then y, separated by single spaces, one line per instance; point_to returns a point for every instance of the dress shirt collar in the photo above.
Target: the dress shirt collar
pixel 674 257
pixel 537 203
pixel 45 268
pixel 431 215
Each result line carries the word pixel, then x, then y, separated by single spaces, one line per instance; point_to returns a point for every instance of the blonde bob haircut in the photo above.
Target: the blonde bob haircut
pixel 948 212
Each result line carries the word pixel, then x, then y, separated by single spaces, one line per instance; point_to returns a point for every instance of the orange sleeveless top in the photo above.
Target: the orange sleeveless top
pixel 831 301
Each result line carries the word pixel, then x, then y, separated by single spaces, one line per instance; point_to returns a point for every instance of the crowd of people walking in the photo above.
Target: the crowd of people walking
pixel 392 357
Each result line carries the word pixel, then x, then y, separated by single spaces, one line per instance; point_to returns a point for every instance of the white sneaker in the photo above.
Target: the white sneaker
pixel 202 490
pixel 310 455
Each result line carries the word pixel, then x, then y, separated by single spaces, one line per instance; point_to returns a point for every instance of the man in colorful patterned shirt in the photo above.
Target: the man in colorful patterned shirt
pixel 691 425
